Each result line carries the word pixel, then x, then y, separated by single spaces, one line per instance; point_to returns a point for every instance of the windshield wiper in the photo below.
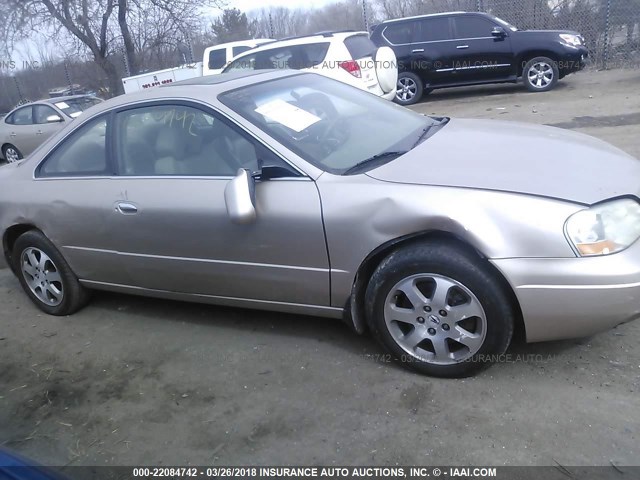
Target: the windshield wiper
pixel 422 136
pixel 425 131
pixel 375 158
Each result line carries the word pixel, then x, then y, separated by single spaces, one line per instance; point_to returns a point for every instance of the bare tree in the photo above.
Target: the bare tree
pixel 102 27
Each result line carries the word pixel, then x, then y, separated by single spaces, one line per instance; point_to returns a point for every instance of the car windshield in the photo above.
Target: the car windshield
pixel 505 24
pixel 333 126
pixel 75 106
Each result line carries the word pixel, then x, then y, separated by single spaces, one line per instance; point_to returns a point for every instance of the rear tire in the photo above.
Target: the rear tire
pixel 540 74
pixel 46 277
pixel 410 89
pixel 11 154
pixel 439 310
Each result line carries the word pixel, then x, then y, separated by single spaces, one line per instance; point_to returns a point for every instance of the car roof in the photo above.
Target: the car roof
pixel 199 88
pixel 253 41
pixel 305 40
pixel 430 15
pixel 50 101
pixel 63 98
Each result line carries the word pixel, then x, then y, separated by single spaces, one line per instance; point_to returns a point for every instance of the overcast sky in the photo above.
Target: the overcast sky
pixel 248 5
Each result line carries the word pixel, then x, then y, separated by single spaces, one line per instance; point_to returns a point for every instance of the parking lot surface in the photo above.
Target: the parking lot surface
pixel 131 381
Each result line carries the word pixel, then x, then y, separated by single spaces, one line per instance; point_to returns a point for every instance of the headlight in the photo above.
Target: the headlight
pixel 573 40
pixel 606 228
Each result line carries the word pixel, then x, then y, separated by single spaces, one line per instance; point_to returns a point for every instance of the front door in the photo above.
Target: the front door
pixel 477 55
pixel 175 161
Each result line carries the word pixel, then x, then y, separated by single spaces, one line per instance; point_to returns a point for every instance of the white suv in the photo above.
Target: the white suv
pixel 350 57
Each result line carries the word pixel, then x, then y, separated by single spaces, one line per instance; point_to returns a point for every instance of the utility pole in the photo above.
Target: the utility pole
pixel 125 59
pixel 364 15
pixel 66 74
pixel 19 91
pixel 605 59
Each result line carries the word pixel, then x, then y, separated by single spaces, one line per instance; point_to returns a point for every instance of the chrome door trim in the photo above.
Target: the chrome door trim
pixel 431 41
pixel 206 260
pixel 474 67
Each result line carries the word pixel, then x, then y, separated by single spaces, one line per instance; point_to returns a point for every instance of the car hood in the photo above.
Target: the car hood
pixel 520 158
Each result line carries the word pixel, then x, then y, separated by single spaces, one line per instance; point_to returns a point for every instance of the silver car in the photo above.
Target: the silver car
pixel 292 192
pixel 23 129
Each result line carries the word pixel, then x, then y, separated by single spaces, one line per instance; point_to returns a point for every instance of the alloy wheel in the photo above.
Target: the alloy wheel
pixel 407 89
pixel 42 276
pixel 540 74
pixel 12 155
pixel 435 318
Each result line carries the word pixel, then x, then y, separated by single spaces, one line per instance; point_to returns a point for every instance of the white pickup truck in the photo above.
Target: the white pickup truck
pixel 214 61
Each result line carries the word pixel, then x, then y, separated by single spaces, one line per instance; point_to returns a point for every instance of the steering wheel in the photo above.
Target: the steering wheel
pixel 329 134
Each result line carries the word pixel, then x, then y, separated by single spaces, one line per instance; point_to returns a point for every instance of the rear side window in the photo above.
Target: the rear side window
pixel 24 116
pixel 360 46
pixel 238 50
pixel 217 58
pixel 83 153
pixel 434 29
pixel 295 57
pixel 399 33
pixel 473 27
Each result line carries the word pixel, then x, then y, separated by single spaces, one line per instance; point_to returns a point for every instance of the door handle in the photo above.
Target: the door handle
pixel 126 208
pixel 460 47
pixel 417 50
pixel 13 134
pixel 39 132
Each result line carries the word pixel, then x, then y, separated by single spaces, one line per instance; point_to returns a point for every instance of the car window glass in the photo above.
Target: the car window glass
pixel 360 46
pixel 9 119
pixel 73 107
pixel 84 152
pixel 434 29
pixel 23 116
pixel 473 27
pixel 238 50
pixel 399 33
pixel 326 122
pixel 217 58
pixel 292 56
pixel 41 112
pixel 180 140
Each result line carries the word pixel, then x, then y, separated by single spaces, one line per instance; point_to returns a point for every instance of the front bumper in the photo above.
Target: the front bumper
pixel 565 298
pixel 574 60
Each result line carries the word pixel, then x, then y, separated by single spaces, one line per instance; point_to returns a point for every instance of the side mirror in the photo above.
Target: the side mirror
pixel 239 196
pixel 54 119
pixel 498 32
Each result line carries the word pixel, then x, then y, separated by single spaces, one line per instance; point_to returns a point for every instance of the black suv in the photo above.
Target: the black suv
pixel 463 48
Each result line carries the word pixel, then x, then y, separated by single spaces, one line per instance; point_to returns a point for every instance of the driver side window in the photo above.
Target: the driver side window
pixel 179 140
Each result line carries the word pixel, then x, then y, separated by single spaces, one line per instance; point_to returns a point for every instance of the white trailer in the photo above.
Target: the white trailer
pixel 148 80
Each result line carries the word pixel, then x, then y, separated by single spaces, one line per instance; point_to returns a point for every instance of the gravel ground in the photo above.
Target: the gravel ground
pixel 136 381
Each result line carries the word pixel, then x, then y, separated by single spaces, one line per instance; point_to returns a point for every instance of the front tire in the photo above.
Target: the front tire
pixel 540 74
pixel 46 277
pixel 439 310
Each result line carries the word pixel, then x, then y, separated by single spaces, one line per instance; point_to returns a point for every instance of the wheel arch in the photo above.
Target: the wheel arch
pixel 355 309
pixel 527 55
pixel 9 238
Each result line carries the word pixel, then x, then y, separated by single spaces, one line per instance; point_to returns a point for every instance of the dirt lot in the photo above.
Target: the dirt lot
pixel 129 380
